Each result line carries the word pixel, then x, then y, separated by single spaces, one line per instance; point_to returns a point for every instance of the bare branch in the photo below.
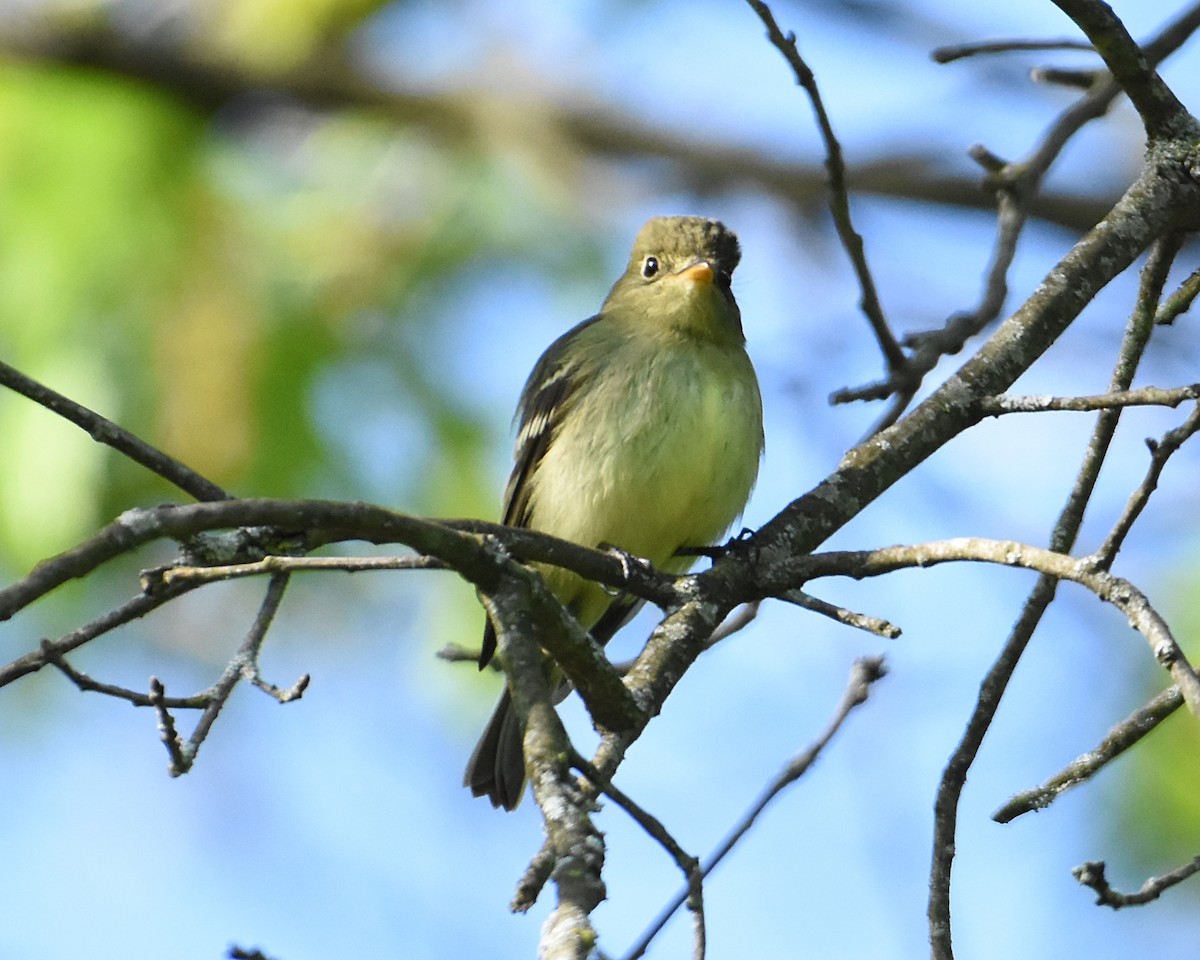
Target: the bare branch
pixel 459 653
pixel 735 622
pixel 959 51
pixel 105 431
pixel 529 887
pixel 1122 594
pixel 864 672
pixel 167 731
pixel 688 865
pixel 1063 77
pixel 524 621
pixel 243 666
pixel 839 196
pixel 850 618
pixel 1015 185
pixel 1180 301
pixel 87 685
pixel 281 694
pixel 1142 397
pixel 1062 539
pixel 1119 739
pixel 457 543
pixel 1162 114
pixel 1091 874
pixel 1160 452
pixel 241 953
pixel 277 564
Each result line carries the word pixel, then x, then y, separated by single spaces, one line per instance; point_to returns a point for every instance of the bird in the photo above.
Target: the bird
pixel 638 429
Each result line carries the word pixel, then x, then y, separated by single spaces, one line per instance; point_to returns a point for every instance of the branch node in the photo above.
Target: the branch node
pixel 180 763
pixel 986 159
pixel 1075 79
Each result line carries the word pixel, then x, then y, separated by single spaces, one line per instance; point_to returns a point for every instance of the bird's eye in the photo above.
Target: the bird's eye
pixel 650 267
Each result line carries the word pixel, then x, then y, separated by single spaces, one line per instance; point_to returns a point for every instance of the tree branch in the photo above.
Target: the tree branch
pixel 1014 185
pixel 474 556
pixel 1160 452
pixel 688 865
pixel 1180 301
pixel 195 75
pixel 860 621
pixel 1143 397
pixel 1091 874
pixel 1119 739
pixel 1162 114
pixel 1111 589
pixel 263 523
pixel 864 672
pixel 1062 539
pixel 960 51
pixel 183 573
pixel 839 196
pixel 523 627
pixel 103 430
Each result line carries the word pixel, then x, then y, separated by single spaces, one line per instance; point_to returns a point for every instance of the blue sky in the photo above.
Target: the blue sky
pixel 336 826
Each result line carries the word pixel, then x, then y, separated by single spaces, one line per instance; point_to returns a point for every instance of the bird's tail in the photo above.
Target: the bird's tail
pixel 496 769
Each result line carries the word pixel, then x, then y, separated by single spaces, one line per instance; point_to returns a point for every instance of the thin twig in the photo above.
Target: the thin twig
pixel 688 865
pixel 50 651
pixel 1015 186
pixel 737 621
pixel 1117 591
pixel 839 196
pixel 283 564
pixel 1119 739
pixel 105 431
pixel 1064 77
pixel 529 887
pixel 88 685
pixel 1062 539
pixel 959 51
pixel 167 730
pixel 281 694
pixel 861 621
pixel 929 346
pixel 241 953
pixel 1160 452
pixel 460 653
pixel 1091 874
pixel 1143 397
pixel 1180 301
pixel 863 673
pixel 243 666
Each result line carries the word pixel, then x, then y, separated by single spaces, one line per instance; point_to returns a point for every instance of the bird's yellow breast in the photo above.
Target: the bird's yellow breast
pixel 660 452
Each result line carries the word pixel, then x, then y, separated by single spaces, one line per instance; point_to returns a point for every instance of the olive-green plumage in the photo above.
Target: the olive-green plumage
pixel 640 428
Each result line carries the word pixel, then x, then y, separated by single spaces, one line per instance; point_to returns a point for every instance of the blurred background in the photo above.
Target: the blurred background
pixel 313 249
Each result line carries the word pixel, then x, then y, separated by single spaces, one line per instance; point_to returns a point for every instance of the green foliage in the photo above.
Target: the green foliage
pixel 1157 821
pixel 95 174
pixel 199 279
pixel 276 34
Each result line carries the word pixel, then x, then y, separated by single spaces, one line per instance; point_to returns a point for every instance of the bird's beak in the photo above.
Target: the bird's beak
pixel 699 272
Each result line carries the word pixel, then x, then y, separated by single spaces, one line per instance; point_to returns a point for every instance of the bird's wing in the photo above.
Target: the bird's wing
pixel 544 402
